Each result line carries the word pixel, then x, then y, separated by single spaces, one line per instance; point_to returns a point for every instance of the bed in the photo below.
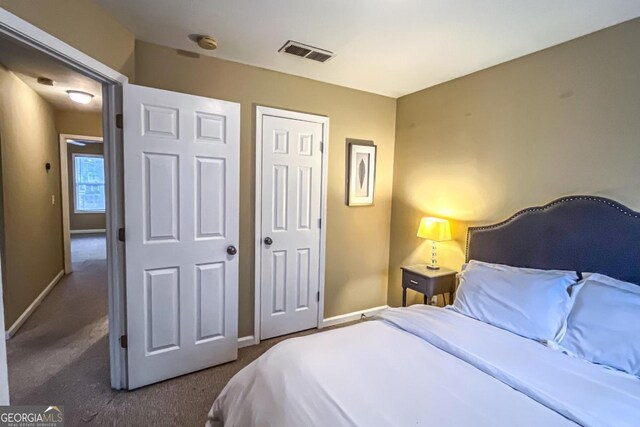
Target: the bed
pixel 425 365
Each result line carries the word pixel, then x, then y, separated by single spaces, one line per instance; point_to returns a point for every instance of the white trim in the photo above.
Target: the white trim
pixel 356 315
pixel 89 212
pixel 64 199
pixel 4 374
pixel 262 111
pixel 246 341
pixel 97 139
pixel 20 30
pixel 114 220
pixel 23 31
pixel 64 184
pixel 32 307
pixel 89 231
pixel 323 215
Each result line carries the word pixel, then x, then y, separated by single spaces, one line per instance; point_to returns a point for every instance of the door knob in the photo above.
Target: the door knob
pixel 268 241
pixel 231 250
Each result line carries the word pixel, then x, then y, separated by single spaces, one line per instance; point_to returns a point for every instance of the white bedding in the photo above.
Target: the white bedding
pixel 424 366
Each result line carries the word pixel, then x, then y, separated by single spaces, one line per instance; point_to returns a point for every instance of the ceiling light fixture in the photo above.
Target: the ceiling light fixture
pixel 80 97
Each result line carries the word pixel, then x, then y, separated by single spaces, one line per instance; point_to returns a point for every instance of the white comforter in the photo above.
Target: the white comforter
pixel 424 366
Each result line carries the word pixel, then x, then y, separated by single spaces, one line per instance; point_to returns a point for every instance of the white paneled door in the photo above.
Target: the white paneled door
pixel 181 161
pixel 290 225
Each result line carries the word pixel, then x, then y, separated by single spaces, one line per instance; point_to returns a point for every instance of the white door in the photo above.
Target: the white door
pixel 181 160
pixel 290 229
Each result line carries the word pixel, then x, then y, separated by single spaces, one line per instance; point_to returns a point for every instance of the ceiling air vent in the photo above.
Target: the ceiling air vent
pixel 306 51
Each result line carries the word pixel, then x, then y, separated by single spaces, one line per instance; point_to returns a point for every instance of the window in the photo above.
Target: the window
pixel 88 183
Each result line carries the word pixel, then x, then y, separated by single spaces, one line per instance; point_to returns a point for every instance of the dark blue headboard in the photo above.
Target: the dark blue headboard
pixel 580 233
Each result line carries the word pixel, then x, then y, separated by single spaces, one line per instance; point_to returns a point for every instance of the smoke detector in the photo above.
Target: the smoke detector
pixel 305 51
pixel 205 42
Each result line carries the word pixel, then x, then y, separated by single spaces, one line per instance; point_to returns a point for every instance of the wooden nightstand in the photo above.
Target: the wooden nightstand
pixel 427 282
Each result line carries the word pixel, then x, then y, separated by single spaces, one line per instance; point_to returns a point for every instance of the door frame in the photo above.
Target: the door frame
pixel 261 112
pixel 66 202
pixel 22 31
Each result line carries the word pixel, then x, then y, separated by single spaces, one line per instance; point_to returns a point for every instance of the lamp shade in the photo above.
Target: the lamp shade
pixel 434 229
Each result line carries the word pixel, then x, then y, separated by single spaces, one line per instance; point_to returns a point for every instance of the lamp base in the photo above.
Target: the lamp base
pixel 433 265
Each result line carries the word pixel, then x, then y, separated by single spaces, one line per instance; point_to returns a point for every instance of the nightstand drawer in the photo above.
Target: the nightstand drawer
pixel 415 282
pixel 441 285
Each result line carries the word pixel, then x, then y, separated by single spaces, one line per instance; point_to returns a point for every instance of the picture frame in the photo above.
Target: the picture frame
pixel 361 172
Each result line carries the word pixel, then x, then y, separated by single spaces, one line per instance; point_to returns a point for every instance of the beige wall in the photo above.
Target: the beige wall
pixel 356 267
pixel 562 121
pixel 82 24
pixel 86 124
pixel 32 224
pixel 78 123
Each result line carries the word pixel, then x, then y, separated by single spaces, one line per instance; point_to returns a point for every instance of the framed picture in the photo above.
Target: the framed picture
pixel 361 173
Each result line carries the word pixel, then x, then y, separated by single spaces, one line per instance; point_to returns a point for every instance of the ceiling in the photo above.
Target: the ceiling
pixel 29 64
pixel 389 47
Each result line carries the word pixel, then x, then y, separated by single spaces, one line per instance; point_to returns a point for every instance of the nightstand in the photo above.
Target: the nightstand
pixel 427 282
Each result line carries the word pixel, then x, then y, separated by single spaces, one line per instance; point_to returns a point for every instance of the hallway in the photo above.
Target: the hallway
pixel 62 349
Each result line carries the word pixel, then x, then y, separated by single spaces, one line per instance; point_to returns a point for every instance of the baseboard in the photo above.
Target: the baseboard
pixel 250 340
pixel 92 231
pixel 350 317
pixel 32 307
pixel 246 341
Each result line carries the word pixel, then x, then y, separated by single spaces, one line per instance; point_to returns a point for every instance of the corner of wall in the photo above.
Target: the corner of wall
pixel 391 301
pixel 481 147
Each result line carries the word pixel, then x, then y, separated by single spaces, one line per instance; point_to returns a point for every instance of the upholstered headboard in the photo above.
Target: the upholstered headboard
pixel 580 233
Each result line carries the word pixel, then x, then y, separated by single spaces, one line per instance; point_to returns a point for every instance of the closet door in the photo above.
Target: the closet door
pixel 291 212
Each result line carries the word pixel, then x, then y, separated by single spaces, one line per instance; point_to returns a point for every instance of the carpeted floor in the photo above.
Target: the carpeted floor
pixel 60 357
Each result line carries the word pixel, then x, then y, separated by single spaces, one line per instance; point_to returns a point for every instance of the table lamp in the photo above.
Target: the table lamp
pixel 436 230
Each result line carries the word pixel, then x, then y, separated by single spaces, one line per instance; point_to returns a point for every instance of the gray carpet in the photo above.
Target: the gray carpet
pixel 60 357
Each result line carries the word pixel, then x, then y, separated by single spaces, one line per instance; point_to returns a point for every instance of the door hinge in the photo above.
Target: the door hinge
pixel 121 234
pixel 124 342
pixel 318 296
pixel 321 147
pixel 319 222
pixel 119 121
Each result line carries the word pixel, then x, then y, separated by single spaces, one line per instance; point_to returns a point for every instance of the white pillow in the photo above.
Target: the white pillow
pixel 528 302
pixel 604 324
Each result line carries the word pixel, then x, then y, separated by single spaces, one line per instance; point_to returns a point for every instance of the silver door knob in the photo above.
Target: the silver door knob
pixel 268 241
pixel 231 250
